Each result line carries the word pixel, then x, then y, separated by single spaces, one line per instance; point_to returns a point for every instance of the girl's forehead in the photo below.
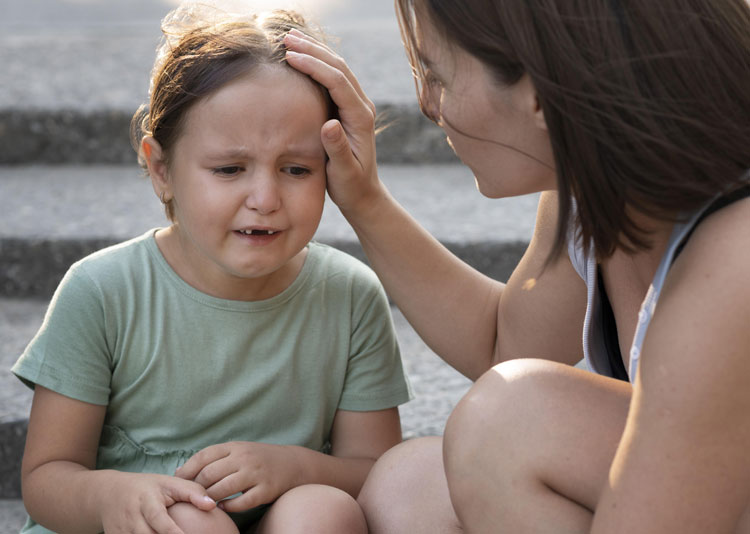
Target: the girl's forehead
pixel 272 102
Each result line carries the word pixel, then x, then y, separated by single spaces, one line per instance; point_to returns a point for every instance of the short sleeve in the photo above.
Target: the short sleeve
pixel 69 354
pixel 375 378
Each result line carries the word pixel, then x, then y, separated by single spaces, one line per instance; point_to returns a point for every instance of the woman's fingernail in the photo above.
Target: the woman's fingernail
pixel 208 499
pixel 292 39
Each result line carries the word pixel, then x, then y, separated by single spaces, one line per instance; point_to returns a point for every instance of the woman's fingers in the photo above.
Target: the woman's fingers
pixel 342 160
pixel 297 41
pixel 352 109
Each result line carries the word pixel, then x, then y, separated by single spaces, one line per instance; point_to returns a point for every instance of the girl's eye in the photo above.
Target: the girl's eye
pixel 230 170
pixel 296 171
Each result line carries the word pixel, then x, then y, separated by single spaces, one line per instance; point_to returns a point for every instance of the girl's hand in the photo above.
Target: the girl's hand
pixel 350 143
pixel 262 472
pixel 137 503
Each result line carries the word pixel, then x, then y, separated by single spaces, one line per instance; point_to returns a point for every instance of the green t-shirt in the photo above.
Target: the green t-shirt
pixel 180 370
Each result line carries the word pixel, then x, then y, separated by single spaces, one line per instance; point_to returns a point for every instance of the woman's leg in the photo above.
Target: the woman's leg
pixel 528 449
pixel 313 509
pixel 195 521
pixel 406 491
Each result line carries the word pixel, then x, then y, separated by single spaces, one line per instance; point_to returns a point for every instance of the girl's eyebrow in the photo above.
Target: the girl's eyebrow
pixel 242 153
pixel 232 153
pixel 306 152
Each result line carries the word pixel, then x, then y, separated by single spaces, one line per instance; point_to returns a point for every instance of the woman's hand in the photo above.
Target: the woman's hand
pixel 353 182
pixel 137 502
pixel 262 472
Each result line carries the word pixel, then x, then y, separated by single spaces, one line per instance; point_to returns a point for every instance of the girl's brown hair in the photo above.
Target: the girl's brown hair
pixel 647 102
pixel 202 50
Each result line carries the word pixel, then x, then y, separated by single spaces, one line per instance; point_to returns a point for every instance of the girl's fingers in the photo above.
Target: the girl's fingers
pixel 189 492
pixel 158 519
pixel 297 41
pixel 227 486
pixel 190 469
pixel 250 499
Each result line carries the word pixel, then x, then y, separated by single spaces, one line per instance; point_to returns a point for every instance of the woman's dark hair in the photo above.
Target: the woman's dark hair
pixel 647 102
pixel 202 50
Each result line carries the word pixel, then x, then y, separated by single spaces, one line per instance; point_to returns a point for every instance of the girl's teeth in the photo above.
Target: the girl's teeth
pixel 258 232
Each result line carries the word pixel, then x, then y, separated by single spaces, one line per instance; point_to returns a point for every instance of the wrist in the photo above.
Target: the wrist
pixel 369 209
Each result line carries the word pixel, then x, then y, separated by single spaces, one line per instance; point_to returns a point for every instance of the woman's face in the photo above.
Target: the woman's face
pixel 498 131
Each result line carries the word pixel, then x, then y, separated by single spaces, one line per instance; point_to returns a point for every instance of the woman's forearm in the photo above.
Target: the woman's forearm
pixel 452 306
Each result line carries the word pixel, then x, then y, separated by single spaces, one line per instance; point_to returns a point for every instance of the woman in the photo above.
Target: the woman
pixel 633 118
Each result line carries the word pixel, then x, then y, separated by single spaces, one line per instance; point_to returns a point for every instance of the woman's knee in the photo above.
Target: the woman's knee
pixel 507 394
pixel 314 508
pixel 193 520
pixel 495 419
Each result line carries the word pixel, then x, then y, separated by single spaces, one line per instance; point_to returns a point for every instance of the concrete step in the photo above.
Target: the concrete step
pixel 437 387
pixel 12 516
pixel 51 216
pixel 73 75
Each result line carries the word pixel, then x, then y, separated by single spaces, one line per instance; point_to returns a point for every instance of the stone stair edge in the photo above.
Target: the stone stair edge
pixel 82 136
pixel 32 267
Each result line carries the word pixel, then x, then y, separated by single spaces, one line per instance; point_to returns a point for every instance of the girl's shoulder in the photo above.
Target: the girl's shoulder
pixel 334 262
pixel 114 255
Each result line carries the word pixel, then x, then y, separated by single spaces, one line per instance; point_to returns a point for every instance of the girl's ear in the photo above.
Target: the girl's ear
pixel 153 155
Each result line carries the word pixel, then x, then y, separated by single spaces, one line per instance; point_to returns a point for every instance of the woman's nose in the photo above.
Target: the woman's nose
pixel 263 195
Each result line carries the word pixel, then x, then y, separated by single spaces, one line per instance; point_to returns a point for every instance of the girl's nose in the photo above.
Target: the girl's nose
pixel 264 195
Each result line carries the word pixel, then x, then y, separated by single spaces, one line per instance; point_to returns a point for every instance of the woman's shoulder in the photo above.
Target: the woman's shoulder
pixel 715 263
pixel 721 237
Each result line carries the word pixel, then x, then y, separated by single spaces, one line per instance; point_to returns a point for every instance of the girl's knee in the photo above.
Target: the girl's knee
pixel 193 520
pixel 314 508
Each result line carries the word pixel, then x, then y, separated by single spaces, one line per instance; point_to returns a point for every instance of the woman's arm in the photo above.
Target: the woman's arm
pixel 460 313
pixel 683 463
pixel 63 492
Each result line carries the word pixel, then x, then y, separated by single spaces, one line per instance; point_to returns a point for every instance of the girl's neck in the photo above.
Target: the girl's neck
pixel 192 271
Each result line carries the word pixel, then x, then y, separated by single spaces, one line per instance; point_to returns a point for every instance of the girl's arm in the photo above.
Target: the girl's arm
pixel 63 492
pixel 264 471
pixel 470 320
pixel 683 463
